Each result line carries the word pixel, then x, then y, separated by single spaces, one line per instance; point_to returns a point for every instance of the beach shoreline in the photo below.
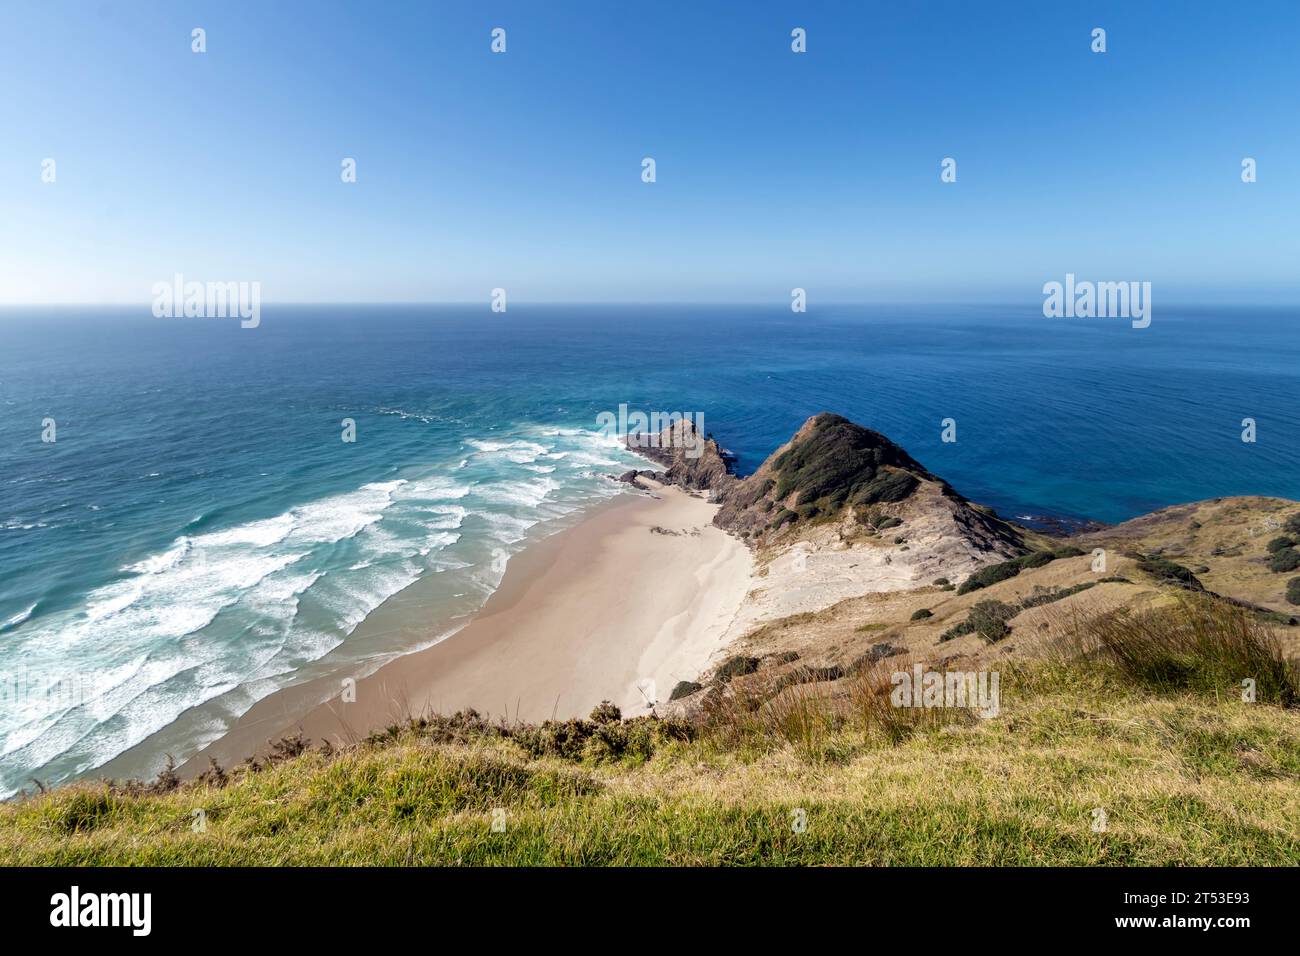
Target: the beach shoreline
pixel 640 594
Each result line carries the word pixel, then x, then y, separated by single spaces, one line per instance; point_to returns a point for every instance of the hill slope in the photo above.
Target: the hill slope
pixel 1122 654
pixel 1218 785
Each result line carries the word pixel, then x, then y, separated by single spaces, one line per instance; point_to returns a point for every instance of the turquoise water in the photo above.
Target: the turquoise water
pixel 199 530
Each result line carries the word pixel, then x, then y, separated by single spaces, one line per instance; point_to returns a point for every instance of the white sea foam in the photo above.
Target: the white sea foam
pixel 225 611
pixel 17 618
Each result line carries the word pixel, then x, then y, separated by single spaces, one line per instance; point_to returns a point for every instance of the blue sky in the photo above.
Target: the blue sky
pixel 775 170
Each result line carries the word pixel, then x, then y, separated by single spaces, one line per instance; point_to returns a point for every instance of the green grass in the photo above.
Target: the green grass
pixel 1185 777
pixel 1201 643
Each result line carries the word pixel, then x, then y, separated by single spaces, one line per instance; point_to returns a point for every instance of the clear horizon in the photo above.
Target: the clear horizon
pixel 522 170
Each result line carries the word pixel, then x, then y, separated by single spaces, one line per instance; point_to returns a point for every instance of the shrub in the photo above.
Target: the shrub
pixel 986 577
pixel 989 620
pixel 888 486
pixel 941 581
pixel 737 666
pixel 957 630
pixel 1069 551
pixel 804 674
pixel 1201 643
pixel 877 653
pixel 1167 572
pixel 921 614
pixel 889 521
pixel 1043 596
pixel 1288 559
pixel 604 712
pixel 840 463
pixel 1277 544
pixel 1293 590
pixel 579 740
pixel 1292 523
pixel 685 688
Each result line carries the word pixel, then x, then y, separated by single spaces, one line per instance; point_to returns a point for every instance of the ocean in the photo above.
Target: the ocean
pixel 199 531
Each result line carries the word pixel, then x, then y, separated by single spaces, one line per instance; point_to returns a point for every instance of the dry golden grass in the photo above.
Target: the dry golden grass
pixel 1183 778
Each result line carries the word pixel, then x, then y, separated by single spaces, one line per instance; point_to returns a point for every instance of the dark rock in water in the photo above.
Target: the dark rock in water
pixel 628 476
pixel 1059 526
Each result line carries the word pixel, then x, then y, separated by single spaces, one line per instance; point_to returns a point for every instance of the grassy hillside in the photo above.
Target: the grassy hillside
pixel 1121 653
pixel 780 774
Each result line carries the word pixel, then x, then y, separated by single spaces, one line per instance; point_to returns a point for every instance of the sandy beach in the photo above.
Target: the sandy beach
pixel 636 597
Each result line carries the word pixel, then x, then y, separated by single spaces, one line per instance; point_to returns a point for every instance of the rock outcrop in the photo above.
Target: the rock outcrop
pixel 690 460
pixel 832 472
pixel 836 511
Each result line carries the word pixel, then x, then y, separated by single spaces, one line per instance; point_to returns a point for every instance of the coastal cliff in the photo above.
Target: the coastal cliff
pixel 1121 647
pixel 836 511
pixel 864 552
pixel 831 471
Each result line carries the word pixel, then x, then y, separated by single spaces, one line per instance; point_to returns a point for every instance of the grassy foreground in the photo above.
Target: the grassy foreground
pixel 1181 776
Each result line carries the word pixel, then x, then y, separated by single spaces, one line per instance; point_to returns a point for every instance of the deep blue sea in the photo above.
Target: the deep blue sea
pixel 198 528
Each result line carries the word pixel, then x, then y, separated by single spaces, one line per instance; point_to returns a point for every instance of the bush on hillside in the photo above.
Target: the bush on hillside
pixel 921 614
pixel 1035 559
pixel 841 463
pixel 1167 572
pixel 685 688
pixel 1042 596
pixel 783 517
pixel 1069 551
pixel 886 487
pixel 989 619
pixel 986 577
pixel 1288 559
pixel 604 712
pixel 737 666
pixel 1202 643
pixel 1277 544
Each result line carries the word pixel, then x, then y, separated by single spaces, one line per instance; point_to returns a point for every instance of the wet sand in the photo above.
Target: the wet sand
pixel 636 597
